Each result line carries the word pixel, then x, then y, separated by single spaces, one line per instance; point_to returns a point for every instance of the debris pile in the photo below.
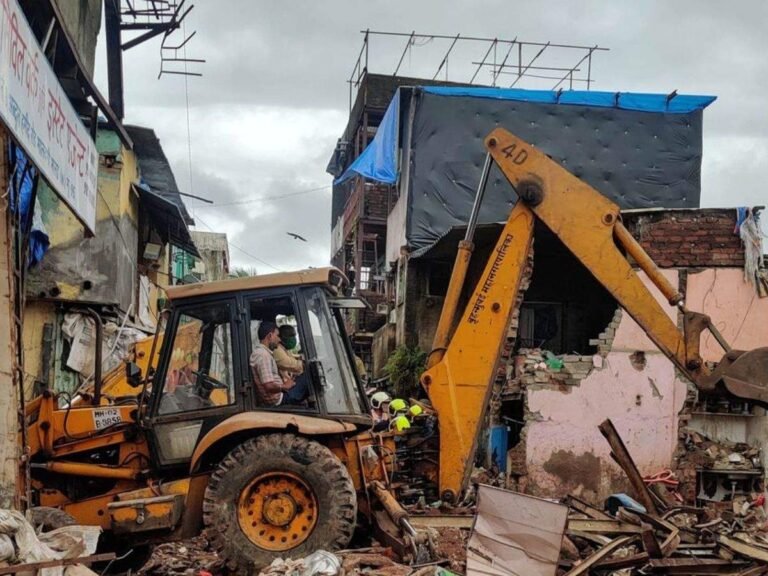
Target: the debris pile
pixel 63 551
pixel 702 453
pixel 658 537
pixel 189 557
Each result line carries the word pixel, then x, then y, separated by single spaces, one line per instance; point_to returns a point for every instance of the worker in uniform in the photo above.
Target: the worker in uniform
pixel 398 415
pixel 380 410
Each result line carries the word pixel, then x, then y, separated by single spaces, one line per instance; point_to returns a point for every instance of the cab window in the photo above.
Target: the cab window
pixel 200 372
pixel 331 365
pixel 286 348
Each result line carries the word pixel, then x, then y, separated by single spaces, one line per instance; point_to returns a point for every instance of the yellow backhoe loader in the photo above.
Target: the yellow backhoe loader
pixel 178 441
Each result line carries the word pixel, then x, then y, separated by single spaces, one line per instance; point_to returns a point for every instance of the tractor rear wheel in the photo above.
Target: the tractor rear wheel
pixel 278 495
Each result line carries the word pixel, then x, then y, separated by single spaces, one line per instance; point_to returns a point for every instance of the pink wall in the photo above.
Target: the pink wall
pixel 734 306
pixel 630 336
pixel 565 449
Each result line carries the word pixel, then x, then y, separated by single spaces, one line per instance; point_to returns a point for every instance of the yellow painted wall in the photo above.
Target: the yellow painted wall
pixel 36 315
pixel 115 200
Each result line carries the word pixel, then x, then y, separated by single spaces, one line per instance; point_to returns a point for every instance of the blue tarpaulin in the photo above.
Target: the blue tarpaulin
pixel 669 103
pixel 21 195
pixel 379 160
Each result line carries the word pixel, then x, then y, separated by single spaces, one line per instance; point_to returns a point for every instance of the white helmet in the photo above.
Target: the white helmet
pixel 378 399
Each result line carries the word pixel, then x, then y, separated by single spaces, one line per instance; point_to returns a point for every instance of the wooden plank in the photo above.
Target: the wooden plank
pixel 34 566
pixel 624 459
pixel 691 566
pixel 604 552
pixel 672 541
pixel 586 509
pixel 650 544
pixel 754 571
pixel 626 562
pixel 743 548
pixel 601 526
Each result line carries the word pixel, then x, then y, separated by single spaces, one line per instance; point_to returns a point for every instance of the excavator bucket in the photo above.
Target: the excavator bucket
pixel 743 374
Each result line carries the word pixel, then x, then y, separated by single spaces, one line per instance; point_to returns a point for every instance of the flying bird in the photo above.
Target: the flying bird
pixel 296 236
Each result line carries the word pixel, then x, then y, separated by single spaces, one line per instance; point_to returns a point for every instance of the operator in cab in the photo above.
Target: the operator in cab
pixel 270 386
pixel 290 364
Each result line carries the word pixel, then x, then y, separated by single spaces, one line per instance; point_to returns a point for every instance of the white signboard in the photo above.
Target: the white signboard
pixel 38 113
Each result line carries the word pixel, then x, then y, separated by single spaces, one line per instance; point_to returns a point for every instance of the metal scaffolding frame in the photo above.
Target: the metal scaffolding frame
pixel 152 18
pixel 517 60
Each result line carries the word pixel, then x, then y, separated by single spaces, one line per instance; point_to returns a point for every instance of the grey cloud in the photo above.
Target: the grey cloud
pixel 295 58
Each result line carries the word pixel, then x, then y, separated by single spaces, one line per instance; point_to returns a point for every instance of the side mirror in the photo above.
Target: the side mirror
pixel 133 374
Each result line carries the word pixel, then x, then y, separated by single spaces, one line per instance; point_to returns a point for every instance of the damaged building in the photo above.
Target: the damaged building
pixel 117 275
pixel 575 357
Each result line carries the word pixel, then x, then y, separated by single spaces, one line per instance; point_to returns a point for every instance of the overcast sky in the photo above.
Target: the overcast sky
pixel 273 98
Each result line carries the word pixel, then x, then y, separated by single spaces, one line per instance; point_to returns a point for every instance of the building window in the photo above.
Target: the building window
pixel 438 277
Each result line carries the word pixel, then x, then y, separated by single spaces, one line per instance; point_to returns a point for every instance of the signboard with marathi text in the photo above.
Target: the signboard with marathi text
pixel 38 113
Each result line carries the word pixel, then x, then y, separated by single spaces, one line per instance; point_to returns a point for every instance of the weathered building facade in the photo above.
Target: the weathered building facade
pixel 213 262
pixel 553 413
pixel 48 114
pixel 119 273
pixel 643 152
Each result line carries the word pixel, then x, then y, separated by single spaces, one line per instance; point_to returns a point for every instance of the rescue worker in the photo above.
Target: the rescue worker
pixel 397 407
pixel 399 423
pixel 380 410
pixel 398 415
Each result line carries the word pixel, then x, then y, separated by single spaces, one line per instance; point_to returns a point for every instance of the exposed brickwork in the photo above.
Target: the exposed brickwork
pixel 688 238
pixel 377 201
pixel 604 340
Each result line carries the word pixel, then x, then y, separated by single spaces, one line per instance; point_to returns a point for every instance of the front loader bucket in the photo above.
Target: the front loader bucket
pixel 743 374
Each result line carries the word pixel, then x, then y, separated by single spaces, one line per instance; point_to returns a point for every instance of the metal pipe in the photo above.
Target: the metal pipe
pixel 459 274
pixel 393 508
pixel 646 263
pixel 97 354
pixel 479 39
pixel 88 470
pixel 472 223
pixel 719 337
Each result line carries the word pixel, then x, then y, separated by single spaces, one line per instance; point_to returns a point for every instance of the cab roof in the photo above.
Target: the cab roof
pixel 329 277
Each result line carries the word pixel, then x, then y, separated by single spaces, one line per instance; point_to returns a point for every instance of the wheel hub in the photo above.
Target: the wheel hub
pixel 277 511
pixel 280 509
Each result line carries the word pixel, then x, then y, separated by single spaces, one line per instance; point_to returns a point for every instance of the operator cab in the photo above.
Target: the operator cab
pixel 204 373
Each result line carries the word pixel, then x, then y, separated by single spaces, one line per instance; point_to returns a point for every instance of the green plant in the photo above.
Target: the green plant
pixel 404 368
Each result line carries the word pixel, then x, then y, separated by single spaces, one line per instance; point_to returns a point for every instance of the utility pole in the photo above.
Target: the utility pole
pixel 10 492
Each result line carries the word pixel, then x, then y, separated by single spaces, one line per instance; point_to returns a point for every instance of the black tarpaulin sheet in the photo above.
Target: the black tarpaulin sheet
pixel 637 159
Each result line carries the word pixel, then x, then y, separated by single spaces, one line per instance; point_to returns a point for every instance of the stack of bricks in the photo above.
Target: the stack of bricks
pixel 701 238
pixel 604 340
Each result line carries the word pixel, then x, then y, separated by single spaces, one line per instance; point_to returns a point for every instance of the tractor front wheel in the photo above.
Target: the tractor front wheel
pixel 278 495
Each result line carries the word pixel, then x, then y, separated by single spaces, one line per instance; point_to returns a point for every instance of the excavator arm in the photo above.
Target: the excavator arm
pixel 462 369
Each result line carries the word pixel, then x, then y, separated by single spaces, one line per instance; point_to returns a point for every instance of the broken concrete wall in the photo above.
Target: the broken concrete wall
pixel 632 383
pixel 100 269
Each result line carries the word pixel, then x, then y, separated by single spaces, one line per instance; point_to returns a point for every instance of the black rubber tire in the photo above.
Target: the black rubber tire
pixel 46 518
pixel 322 471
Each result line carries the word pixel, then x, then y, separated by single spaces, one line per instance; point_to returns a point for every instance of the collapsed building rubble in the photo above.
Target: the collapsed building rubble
pixel 661 536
